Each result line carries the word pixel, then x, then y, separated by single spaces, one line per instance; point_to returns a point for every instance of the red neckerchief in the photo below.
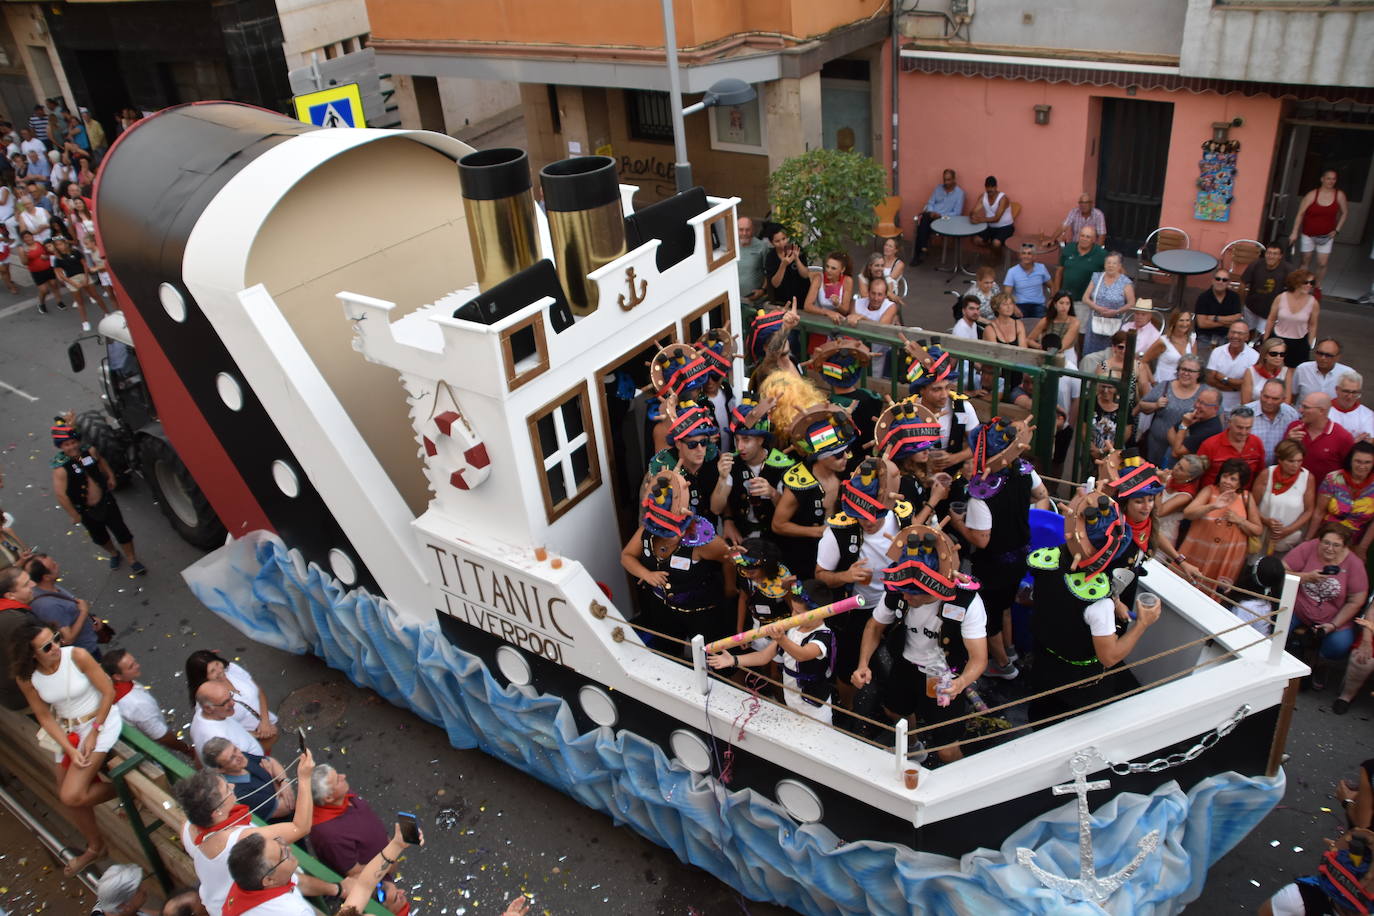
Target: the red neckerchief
pixel 326 813
pixel 122 689
pixel 1263 373
pixel 10 604
pixel 1335 406
pixel 1140 531
pixel 241 901
pixel 239 814
pixel 1277 484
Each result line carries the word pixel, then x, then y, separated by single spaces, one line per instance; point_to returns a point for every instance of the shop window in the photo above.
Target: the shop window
pixel 564 445
pixel 651 115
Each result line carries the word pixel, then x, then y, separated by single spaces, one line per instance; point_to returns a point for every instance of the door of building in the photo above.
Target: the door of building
pixel 1134 153
pixel 845 120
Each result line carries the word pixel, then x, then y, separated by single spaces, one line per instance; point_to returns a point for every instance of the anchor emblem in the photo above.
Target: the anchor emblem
pixel 1087 886
pixel 635 298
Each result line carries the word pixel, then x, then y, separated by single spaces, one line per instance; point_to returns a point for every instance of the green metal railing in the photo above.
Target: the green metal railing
pixel 147 750
pixel 1044 369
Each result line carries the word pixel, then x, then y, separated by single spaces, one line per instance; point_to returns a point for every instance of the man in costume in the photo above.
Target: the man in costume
pixel 841 363
pixel 84 483
pixel 823 436
pixel 756 471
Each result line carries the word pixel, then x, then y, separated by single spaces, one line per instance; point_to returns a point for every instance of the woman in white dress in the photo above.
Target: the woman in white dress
pixel 1178 340
pixel 1286 493
pixel 251 709
pixel 73 701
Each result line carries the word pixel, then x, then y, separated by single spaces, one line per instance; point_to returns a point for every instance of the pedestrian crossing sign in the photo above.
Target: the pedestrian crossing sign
pixel 337 106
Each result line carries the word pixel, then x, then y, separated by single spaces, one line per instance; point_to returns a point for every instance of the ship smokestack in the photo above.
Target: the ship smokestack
pixel 500 213
pixel 582 200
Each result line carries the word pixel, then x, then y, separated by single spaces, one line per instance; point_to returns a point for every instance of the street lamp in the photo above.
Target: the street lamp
pixel 728 91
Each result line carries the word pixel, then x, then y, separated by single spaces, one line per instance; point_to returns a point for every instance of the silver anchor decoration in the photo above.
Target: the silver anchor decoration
pixel 1087 886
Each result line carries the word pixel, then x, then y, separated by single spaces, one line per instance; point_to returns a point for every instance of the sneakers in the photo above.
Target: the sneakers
pixel 85 326
pixel 115 561
pixel 42 309
pixel 61 306
pixel 1340 707
pixel 1008 673
pixel 138 569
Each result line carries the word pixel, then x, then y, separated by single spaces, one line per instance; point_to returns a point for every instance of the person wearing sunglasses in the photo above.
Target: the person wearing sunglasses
pixel 74 703
pixel 1217 308
pixel 1320 373
pixel 1293 317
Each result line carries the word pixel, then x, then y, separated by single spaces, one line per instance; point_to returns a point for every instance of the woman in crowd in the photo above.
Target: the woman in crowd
pixel 984 286
pixel 1286 494
pixel 1106 416
pixel 1058 319
pixel 1346 497
pixel 1180 486
pixel 1115 364
pixel 1177 341
pixel 1168 402
pixel 37 260
pixel 1270 365
pixel 893 265
pixel 786 274
pixel 1332 591
pixel 1223 518
pixel 1320 216
pixel 251 709
pixel 1006 328
pixel 71 195
pixel 833 296
pixel 1357 671
pixel 6 248
pixel 1293 317
pixel 73 701
pixel 1109 295
pixel 873 267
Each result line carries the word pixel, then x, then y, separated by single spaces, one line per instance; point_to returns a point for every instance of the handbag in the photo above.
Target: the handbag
pixel 1104 325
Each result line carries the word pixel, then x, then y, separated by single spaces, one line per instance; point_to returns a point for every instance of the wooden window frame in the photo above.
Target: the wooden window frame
pixel 728 232
pixel 593 481
pixel 541 346
pixel 722 300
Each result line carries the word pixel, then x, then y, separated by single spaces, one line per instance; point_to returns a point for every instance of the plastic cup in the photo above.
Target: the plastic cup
pixel 932 686
pixel 911 777
pixel 541 554
pixel 556 562
pixel 1146 601
pixel 958 507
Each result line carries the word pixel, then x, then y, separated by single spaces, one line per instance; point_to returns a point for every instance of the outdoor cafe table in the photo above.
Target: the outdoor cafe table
pixel 957 228
pixel 1183 263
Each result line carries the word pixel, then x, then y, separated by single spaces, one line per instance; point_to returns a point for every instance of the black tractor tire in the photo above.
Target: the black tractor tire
pixel 181 500
pixel 95 429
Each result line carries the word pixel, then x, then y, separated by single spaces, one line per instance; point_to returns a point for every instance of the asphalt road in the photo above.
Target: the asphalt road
pixel 492 830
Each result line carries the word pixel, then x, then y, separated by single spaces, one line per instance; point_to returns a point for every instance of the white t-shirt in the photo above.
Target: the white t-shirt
pixel 33 146
pixel 1222 362
pixel 873 549
pixel 1100 616
pixel 922 646
pixel 140 708
pixel 968 416
pixel 965 330
pixel 820 713
pixel 1357 422
pixel 979 516
pixel 203 729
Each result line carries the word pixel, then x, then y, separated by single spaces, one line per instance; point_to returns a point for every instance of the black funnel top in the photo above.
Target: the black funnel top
pixel 583 183
pixel 494 174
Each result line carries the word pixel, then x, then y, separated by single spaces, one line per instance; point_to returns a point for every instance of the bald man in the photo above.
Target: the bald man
pixel 1326 441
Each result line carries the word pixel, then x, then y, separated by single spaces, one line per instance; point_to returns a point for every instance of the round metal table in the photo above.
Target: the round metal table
pixel 1183 263
pixel 957 228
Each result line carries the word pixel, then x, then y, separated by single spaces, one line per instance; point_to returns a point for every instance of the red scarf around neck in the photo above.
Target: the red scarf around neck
pixel 241 901
pixel 122 689
pixel 239 814
pixel 1278 483
pixel 326 813
pixel 1140 531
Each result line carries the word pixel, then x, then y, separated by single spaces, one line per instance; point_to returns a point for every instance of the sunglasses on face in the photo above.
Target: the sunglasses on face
pixel 1278 352
pixel 1324 353
pixel 50 645
pixel 695 443
pixel 1221 279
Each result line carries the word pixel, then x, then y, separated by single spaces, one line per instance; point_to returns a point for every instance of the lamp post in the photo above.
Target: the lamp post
pixel 728 91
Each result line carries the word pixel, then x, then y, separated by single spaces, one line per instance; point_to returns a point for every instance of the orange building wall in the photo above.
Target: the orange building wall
pixel 605 22
pixel 986 126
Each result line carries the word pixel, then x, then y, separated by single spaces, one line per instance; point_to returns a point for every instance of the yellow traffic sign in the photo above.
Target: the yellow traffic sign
pixel 337 106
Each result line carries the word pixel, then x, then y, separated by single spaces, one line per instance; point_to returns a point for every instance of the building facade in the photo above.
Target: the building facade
pixel 1212 116
pixel 596 82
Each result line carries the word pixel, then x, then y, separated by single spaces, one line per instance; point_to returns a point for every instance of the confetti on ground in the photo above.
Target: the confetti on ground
pixel 1254 882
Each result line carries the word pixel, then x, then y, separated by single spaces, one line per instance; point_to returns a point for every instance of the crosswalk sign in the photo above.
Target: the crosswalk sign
pixel 337 106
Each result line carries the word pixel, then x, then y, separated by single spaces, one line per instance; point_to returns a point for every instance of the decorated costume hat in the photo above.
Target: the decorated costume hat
pixel 750 418
pixel 1136 477
pixel 840 362
pixel 665 510
pixel 717 349
pixel 687 420
pixel 1094 532
pixel 823 431
pixel 862 495
pixel 923 562
pixel 997 443
pixel 767 322
pixel 904 429
pixel 678 369
pixel 930 365
pixel 62 431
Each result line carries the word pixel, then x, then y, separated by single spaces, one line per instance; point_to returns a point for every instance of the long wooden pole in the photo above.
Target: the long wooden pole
pixel 787 623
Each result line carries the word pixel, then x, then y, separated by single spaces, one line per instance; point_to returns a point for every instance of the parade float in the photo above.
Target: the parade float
pixel 401 384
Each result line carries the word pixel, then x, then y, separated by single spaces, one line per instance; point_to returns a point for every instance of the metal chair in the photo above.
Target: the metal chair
pixel 1238 255
pixel 1165 238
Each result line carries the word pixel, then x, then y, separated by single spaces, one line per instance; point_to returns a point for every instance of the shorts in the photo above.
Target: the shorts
pixel 109 733
pixel 905 693
pixel 104 519
pixel 1300 900
pixel 999 233
pixel 78 280
pixel 43 276
pixel 1322 244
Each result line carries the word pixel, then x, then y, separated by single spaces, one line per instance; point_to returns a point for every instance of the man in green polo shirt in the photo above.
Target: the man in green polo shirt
pixel 751 252
pixel 1077 264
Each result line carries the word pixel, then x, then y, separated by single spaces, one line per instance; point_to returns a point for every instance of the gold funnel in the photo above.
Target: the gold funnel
pixel 500 213
pixel 582 200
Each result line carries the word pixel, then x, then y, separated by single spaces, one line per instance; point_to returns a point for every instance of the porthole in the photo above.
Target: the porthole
pixel 343 567
pixel 172 302
pixel 229 391
pixel 513 666
pixel 690 750
pixel 598 706
pixel 286 479
pixel 799 800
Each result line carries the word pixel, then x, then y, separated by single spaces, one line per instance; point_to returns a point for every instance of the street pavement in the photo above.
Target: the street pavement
pixel 492 830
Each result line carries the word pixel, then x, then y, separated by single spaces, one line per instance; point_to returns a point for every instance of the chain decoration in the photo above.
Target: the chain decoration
pixel 1160 764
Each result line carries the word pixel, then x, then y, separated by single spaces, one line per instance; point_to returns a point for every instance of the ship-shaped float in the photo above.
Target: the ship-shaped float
pixel 397 380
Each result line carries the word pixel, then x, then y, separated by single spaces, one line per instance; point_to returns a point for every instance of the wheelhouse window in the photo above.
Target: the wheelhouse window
pixel 564 445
